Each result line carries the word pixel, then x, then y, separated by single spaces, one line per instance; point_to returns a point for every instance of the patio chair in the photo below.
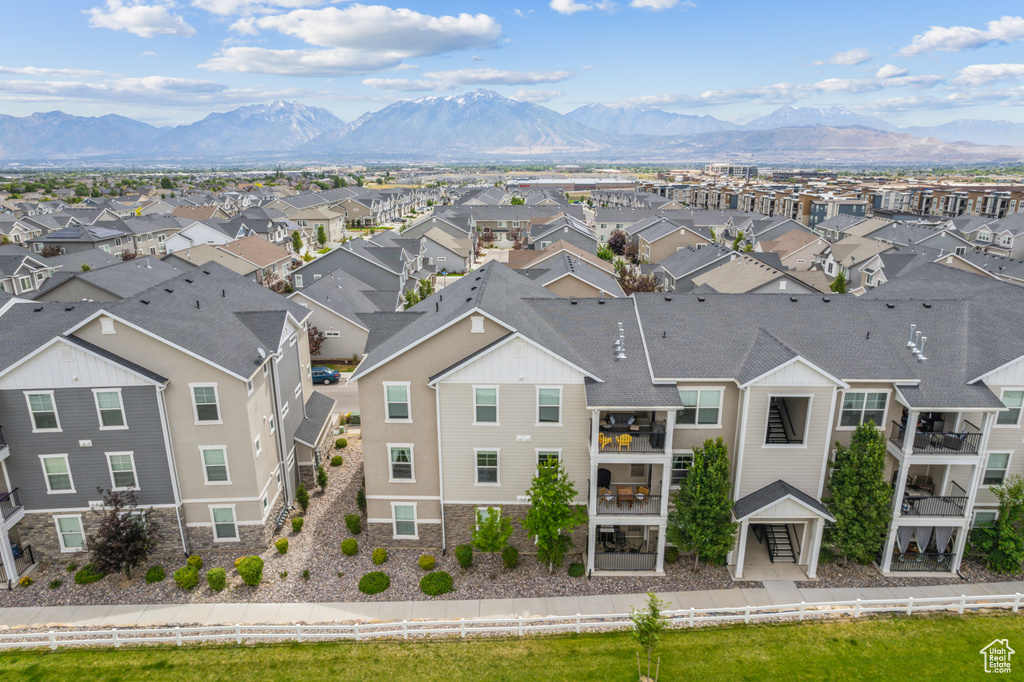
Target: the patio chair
pixel 603 441
pixel 624 441
pixel 925 484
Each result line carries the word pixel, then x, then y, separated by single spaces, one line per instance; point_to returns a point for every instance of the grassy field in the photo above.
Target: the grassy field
pixel 896 649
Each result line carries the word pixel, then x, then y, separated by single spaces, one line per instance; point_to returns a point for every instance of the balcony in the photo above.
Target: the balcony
pixel 10 504
pixel 967 441
pixel 627 504
pixel 634 441
pixel 932 562
pixel 936 505
pixel 23 560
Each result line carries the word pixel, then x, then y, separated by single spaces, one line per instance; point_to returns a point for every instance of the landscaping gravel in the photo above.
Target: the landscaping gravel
pixel 866 575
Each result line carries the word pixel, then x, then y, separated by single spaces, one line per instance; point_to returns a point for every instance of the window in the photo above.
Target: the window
pixel 224 527
pixel 681 462
pixel 257 446
pixel 70 533
pixel 405 520
pixel 860 408
pixel 284 410
pixel 215 466
pixel 995 470
pixel 701 407
pixel 205 401
pixel 487 467
pixel 298 389
pixel 266 503
pixel 122 470
pixel 984 519
pixel 332 335
pixel 401 463
pixel 26 283
pixel 548 457
pixel 266 368
pixel 44 412
pixel 57 473
pixel 1012 400
pixel 248 387
pixel 396 397
pixel 549 405
pixel 298 281
pixel 485 404
pixel 110 410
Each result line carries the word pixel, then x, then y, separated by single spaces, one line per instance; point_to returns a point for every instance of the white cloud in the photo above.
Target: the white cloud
pixel 144 21
pixel 982 74
pixel 148 54
pixel 657 5
pixel 569 6
pixel 890 71
pixel 439 81
pixel 956 38
pixel 334 62
pixel 243 7
pixel 852 57
pixel 536 96
pixel 37 71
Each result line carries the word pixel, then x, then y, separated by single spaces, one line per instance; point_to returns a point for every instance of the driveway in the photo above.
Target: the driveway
pixel 347 396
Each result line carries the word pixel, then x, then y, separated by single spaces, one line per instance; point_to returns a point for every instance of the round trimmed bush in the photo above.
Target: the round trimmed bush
pixel 88 574
pixel 297 524
pixel 155 574
pixel 374 582
pixel 576 570
pixel 671 555
pixel 427 562
pixel 195 561
pixel 238 561
pixel 349 546
pixel 464 555
pixel 282 545
pixel 436 583
pixel 217 579
pixel 187 577
pixel 510 557
pixel 251 570
pixel 353 523
pixel 380 555
pixel 337 461
pixel 341 443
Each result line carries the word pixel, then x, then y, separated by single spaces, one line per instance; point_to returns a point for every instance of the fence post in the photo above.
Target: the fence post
pixel 963 600
pixel 910 606
pixel 691 617
pixel 405 629
pixel 177 635
pixel 1016 603
pixel 462 627
pixel 856 609
pixel 53 640
pixel 578 620
pixel 113 634
pixel 746 614
pixel 520 626
pixel 298 632
pixel 357 631
pixel 803 605
pixel 238 633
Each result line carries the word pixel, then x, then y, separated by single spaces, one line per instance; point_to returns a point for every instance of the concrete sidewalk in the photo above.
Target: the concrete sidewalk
pixel 774 592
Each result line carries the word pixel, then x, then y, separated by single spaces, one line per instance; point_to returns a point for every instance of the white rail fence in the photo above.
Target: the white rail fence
pixel 693 617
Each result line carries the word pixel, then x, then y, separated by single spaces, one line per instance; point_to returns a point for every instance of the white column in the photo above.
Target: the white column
pixel 897 504
pixel 670 426
pixel 741 550
pixel 812 565
pixel 7 556
pixel 666 483
pixel 659 565
pixel 806 537
pixel 591 543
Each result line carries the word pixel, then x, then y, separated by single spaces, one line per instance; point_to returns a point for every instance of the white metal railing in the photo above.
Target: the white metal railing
pixel 238 634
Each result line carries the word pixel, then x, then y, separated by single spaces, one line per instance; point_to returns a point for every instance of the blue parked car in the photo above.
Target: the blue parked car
pixel 325 375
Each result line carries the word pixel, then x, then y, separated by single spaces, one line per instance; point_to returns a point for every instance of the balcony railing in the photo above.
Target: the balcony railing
pixel 625 561
pixel 3 443
pixel 23 560
pixel 910 562
pixel 964 442
pixel 632 505
pixel 932 505
pixel 630 441
pixel 10 503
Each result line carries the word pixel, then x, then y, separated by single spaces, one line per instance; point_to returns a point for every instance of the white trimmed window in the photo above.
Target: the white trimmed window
pixel 485 405
pixel 257 446
pixel 298 389
pixel 225 529
pixel 215 466
pixel 400 457
pixel 44 412
pixel 860 408
pixel 332 334
pixel 681 463
pixel 1013 400
pixel 404 517
pixel 284 410
pixel 547 457
pixel 248 387
pixel 57 473
pixel 298 281
pixel 204 401
pixel 549 405
pixel 995 470
pixel 396 399
pixel 701 407
pixel 122 470
pixel 273 424
pixel 985 518
pixel 110 409
pixel 70 533
pixel 486 467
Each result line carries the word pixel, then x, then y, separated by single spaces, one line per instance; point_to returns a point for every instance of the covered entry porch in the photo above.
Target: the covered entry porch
pixel 779 535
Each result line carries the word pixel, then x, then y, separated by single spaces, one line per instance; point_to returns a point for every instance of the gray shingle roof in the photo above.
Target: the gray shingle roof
pixel 317 414
pixel 772 493
pixel 348 296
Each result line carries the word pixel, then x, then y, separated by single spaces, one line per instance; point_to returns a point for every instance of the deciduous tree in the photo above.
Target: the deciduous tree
pixel 552 516
pixel 492 530
pixel 838 285
pixel 125 535
pixel 1002 544
pixel 860 498
pixel 316 340
pixel 617 241
pixel 702 519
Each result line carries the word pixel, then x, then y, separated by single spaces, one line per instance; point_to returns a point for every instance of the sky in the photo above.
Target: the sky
pixel 174 61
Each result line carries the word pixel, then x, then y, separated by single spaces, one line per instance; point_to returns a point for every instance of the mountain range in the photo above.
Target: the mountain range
pixel 485 125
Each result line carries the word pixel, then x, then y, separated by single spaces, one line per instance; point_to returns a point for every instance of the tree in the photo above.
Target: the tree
pixel 321 235
pixel 632 280
pixel 166 183
pixel 492 531
pixel 411 299
pixel 838 285
pixel 49 251
pixel 736 242
pixel 424 289
pixel 605 253
pixel 702 519
pixel 125 535
pixel 647 626
pixel 860 499
pixel 517 201
pixel 487 236
pixel 316 340
pixel 339 181
pixel 617 241
pixel 631 252
pixel 552 516
pixel 1002 544
pixel 129 255
pixel 275 283
pixel 296 242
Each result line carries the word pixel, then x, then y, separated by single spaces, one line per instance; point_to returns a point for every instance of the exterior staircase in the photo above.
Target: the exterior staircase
pixel 780 545
pixel 776 429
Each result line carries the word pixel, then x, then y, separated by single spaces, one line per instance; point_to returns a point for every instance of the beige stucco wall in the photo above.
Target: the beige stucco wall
pixel 669 244
pixel 689 437
pixel 570 287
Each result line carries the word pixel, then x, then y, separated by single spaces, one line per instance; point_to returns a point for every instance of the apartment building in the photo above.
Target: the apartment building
pixel 196 394
pixel 461 399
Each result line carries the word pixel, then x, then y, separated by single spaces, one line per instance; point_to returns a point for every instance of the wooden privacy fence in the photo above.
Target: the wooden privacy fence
pixel 247 634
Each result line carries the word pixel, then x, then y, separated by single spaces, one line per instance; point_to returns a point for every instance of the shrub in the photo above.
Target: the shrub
pixel 155 574
pixel 55 583
pixel 510 557
pixel 297 524
pixel 88 574
pixel 374 582
pixel 217 579
pixel 341 443
pixel 427 562
pixel 464 555
pixel 72 567
pixel 283 575
pixel 195 561
pixel 26 581
pixel 321 478
pixel 436 583
pixel 380 555
pixel 337 461
pixel 187 577
pixel 353 523
pixel 305 574
pixel 671 555
pixel 302 497
pixel 349 547
pixel 576 570
pixel 251 570
pixel 238 561
pixel 282 545
pixel 361 499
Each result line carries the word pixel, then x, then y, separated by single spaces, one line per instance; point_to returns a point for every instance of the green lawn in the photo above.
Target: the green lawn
pixel 891 648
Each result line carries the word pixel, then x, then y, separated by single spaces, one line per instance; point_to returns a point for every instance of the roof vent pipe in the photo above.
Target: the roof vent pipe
pixel 910 343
